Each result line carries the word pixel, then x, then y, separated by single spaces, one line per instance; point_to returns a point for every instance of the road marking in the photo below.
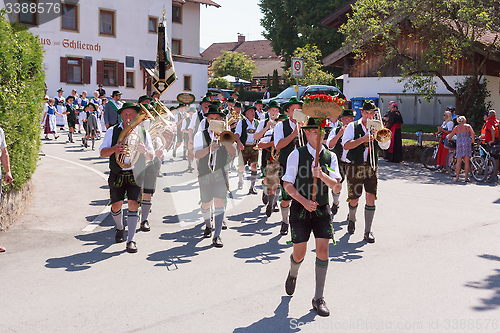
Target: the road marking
pixel 92 225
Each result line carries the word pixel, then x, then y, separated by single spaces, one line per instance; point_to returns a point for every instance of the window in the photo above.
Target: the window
pixel 107 23
pixel 130 79
pixel 176 46
pixel 75 70
pixel 129 62
pixel 153 24
pixel 28 16
pixel 187 82
pixel 109 73
pixel 69 17
pixel 176 14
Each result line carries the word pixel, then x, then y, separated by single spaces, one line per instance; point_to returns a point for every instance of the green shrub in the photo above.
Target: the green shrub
pixel 21 98
pixel 219 82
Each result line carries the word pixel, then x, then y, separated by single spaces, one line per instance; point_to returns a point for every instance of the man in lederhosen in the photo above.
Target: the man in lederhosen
pixel 111 109
pixel 285 135
pixel 307 215
pixel 213 160
pixel 122 181
pixel 265 128
pixel 334 142
pixel 245 131
pixel 180 121
pixel 359 172
pixel 197 118
pixel 259 110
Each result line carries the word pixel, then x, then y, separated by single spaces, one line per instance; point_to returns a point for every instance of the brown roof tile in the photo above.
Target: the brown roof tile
pixel 256 49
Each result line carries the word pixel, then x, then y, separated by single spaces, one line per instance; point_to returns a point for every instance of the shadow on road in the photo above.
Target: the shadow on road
pixel 280 322
pixel 175 256
pixel 491 283
pixel 345 251
pixel 262 253
pixel 99 241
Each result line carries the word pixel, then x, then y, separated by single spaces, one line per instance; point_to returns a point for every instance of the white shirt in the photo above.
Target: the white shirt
pixel 278 131
pixel 292 165
pixel 199 140
pixel 178 117
pixel 193 123
pixel 447 125
pixel 108 140
pixel 267 137
pixel 260 115
pixel 118 104
pixel 349 135
pixel 332 134
pixel 250 125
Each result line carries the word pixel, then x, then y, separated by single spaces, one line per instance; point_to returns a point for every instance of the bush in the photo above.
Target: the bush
pixel 21 98
pixel 219 82
pixel 475 99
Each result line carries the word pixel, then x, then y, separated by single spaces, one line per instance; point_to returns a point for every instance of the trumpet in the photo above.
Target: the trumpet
pixel 222 135
pixel 378 132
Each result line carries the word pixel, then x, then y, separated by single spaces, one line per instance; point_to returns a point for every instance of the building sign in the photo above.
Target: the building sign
pixel 186 98
pixel 71 44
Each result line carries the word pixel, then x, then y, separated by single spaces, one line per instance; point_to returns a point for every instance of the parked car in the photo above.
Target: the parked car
pixel 221 94
pixel 289 92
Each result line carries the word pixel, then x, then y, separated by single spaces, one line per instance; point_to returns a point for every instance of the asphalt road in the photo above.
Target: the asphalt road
pixel 435 266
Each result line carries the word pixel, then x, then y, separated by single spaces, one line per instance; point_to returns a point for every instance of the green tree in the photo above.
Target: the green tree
pixel 235 64
pixel 275 83
pixel 219 82
pixel 268 82
pixel 313 73
pixel 424 39
pixel 290 24
pixel 21 98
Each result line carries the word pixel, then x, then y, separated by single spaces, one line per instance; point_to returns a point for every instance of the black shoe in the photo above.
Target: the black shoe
pixel 284 229
pixel 351 227
pixel 276 208
pixel 252 190
pixel 290 284
pixel 119 235
pixel 145 226
pixel 224 224
pixel 217 242
pixel 320 307
pixel 369 238
pixel 131 247
pixel 240 185
pixel 334 209
pixel 207 233
pixel 264 198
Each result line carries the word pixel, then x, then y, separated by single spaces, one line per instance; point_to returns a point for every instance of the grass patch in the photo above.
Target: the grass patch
pixel 411 142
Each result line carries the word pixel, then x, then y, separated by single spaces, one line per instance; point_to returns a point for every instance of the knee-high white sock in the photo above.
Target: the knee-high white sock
pixel 253 178
pixel 369 213
pixel 207 217
pixel 118 218
pixel 285 211
pixel 294 266
pixel 219 216
pixel 321 269
pixel 132 219
pixel 145 208
pixel 352 212
pixel 336 197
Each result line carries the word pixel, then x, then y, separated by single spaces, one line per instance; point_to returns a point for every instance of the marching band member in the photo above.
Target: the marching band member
pixel 197 118
pixel 229 105
pixel 307 215
pixel 359 172
pixel 259 111
pixel 245 130
pixel 266 127
pixel 180 120
pixel 213 160
pixel 334 143
pixel 82 102
pixel 185 135
pixel 285 135
pixel 122 181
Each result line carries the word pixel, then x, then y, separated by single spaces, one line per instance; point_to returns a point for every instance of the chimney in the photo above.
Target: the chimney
pixel 241 38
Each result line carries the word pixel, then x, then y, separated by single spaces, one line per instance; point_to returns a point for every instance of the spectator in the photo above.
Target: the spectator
pixel 82 102
pixel 4 158
pixel 110 109
pixel 489 134
pixel 102 92
pixel 444 129
pixel 267 94
pixel 60 103
pixel 49 119
pixel 465 137
pixel 393 121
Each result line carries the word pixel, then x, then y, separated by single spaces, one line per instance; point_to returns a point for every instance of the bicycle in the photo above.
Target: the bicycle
pixel 485 164
pixel 429 157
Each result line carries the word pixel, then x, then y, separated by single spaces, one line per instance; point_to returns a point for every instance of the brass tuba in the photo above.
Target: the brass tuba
pixel 232 117
pixel 130 140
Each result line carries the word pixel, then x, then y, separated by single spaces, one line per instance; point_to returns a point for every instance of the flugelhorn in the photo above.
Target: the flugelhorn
pixel 130 140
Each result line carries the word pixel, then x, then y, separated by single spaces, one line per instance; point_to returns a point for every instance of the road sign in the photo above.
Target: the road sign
pixel 297 67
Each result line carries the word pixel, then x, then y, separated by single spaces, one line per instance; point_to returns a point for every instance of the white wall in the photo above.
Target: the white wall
pixel 131 39
pixel 189 30
pixel 493 84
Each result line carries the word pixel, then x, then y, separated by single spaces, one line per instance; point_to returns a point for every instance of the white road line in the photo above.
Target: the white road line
pixel 92 225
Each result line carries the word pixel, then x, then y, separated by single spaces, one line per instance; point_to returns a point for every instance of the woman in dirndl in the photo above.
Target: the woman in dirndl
pixel 49 119
pixel 445 129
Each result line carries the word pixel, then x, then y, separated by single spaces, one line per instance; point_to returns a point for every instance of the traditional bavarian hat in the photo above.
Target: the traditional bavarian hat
pixel 369 105
pixel 129 105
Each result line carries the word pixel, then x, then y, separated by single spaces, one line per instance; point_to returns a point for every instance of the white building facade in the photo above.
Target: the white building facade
pixel 113 42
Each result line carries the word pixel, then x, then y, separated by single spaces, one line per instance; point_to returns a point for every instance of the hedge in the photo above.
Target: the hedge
pixel 21 98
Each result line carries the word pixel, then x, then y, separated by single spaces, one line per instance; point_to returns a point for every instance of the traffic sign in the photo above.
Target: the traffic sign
pixel 298 67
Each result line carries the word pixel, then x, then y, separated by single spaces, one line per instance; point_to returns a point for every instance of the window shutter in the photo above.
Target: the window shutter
pixel 100 72
pixel 64 69
pixel 86 71
pixel 121 74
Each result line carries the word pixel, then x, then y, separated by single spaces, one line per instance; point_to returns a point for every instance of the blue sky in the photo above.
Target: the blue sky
pixel 224 23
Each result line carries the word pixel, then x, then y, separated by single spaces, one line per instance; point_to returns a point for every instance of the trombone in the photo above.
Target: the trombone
pixel 378 132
